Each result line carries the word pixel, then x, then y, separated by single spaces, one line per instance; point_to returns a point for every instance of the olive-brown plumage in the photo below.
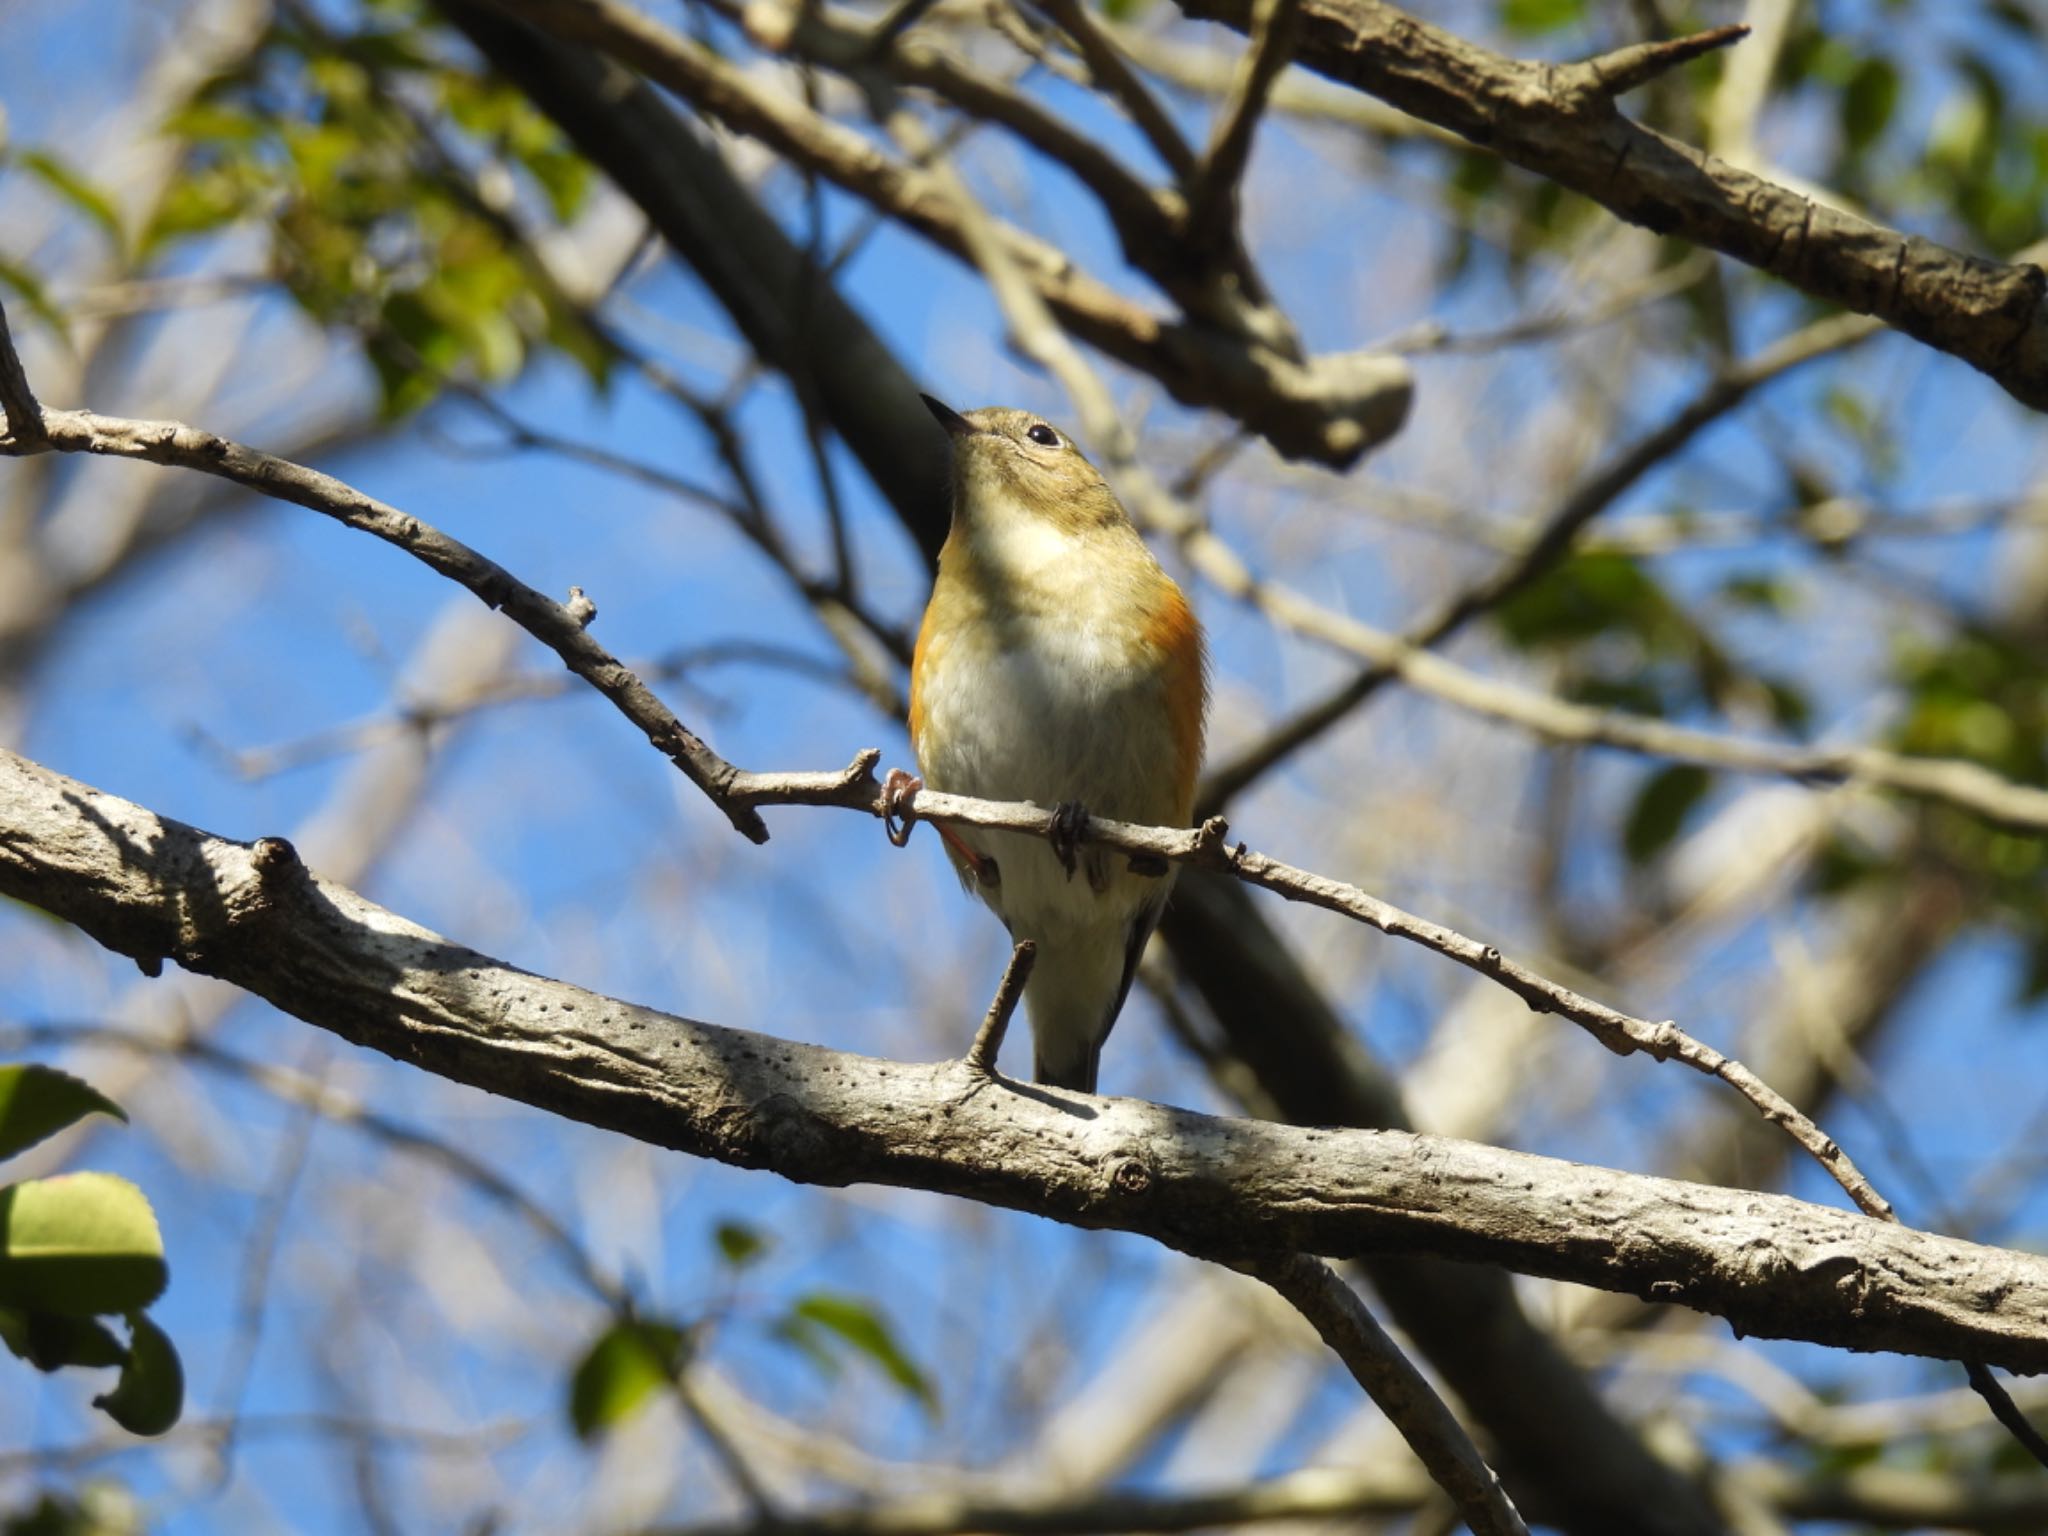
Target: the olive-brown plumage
pixel 1057 663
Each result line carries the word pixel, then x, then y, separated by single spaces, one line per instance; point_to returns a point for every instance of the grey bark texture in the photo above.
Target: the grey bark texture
pixel 250 913
pixel 1561 121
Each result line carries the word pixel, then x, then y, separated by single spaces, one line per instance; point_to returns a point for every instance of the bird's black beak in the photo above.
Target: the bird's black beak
pixel 955 424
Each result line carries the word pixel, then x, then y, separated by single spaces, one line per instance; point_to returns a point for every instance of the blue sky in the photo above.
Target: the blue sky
pixel 553 838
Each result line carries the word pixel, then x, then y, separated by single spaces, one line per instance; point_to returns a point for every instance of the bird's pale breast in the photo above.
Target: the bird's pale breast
pixel 1049 696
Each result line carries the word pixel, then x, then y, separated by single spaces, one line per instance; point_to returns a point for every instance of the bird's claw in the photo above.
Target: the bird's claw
pixel 899 805
pixel 1069 826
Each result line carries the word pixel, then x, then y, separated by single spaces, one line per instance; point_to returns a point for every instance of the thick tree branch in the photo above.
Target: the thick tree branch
pixel 1560 121
pixel 760 277
pixel 737 793
pixel 1330 408
pixel 251 914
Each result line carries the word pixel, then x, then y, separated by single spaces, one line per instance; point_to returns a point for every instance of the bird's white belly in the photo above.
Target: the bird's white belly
pixel 1058 714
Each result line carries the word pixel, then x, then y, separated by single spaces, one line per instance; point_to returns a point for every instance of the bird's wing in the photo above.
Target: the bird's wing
pixel 1143 921
pixel 1176 634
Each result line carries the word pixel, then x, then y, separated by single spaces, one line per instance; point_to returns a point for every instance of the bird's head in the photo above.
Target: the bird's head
pixel 1010 464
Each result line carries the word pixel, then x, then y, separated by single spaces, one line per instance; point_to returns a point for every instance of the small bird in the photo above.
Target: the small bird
pixel 1057 663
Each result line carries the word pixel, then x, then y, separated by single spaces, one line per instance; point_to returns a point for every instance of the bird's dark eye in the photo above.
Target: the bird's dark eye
pixel 1042 435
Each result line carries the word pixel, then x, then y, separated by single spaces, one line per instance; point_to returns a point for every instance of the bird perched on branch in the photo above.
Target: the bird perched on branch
pixel 1059 664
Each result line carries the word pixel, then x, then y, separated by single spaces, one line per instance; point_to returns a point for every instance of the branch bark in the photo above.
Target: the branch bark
pixel 251 914
pixel 1560 121
pixel 1330 408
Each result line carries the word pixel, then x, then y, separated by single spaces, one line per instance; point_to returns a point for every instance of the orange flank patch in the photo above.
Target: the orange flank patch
pixel 918 660
pixel 1176 635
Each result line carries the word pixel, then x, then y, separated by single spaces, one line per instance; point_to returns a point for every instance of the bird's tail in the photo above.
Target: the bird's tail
pixel 1076 1072
pixel 1073 997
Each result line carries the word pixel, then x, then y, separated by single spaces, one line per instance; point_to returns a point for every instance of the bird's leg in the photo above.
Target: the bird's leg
pixel 1150 865
pixel 1069 826
pixel 899 807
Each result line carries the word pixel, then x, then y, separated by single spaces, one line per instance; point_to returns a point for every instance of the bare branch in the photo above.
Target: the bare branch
pixel 1401 1391
pixel 1213 189
pixel 551 623
pixel 1554 536
pixel 1561 122
pixel 24 412
pixel 1116 77
pixel 1331 408
pixel 252 914
pixel 988 1040
pixel 1623 70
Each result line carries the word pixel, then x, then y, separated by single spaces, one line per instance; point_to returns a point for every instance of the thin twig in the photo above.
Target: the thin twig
pixel 25 429
pixel 166 442
pixel 1391 1380
pixel 1212 191
pixel 342 1108
pixel 413 719
pixel 725 1449
pixel 258 1265
pixel 1207 847
pixel 988 1040
pixel 1434 337
pixel 901 18
pixel 1389 657
pixel 1115 76
pixel 1617 73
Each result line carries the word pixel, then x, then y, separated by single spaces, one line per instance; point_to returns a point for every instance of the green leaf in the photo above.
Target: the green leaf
pixel 79 1244
pixel 38 1101
pixel 739 1244
pixel 1585 595
pixel 1541 15
pixel 1758 590
pixel 96 1509
pixel 1868 101
pixel 76 190
pixel 858 1325
pixel 1661 808
pixel 629 1361
pixel 49 1342
pixel 198 203
pixel 27 287
pixel 151 1392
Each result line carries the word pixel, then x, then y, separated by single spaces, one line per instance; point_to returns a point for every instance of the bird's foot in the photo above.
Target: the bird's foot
pixel 1069 826
pixel 1150 865
pixel 899 804
pixel 986 875
pixel 899 815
